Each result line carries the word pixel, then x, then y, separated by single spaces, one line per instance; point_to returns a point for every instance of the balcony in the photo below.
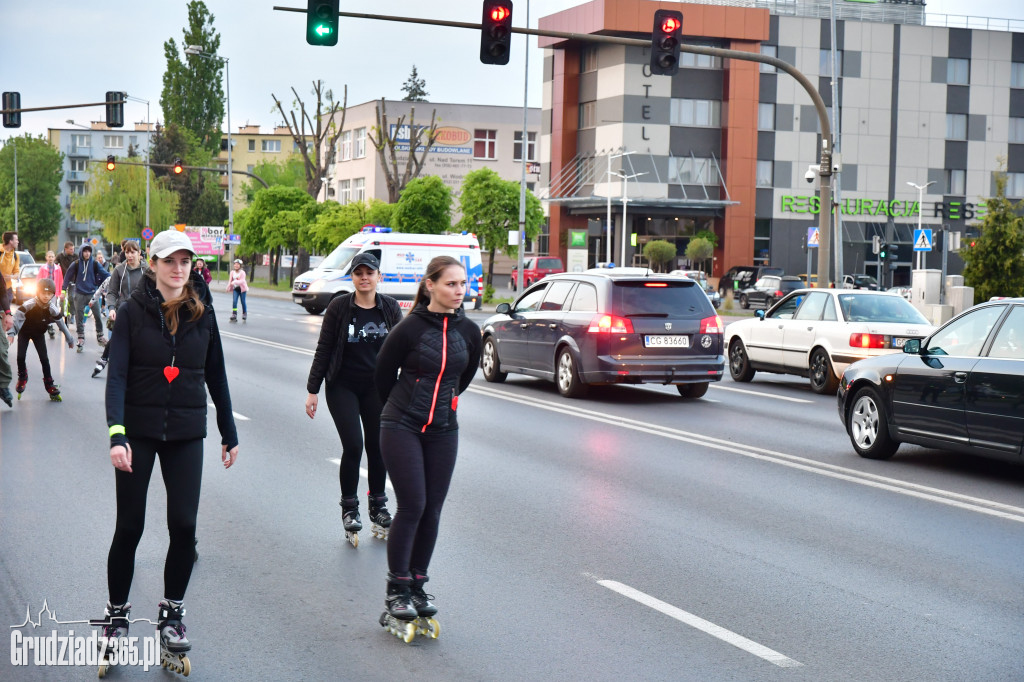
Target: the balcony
pixel 76 150
pixel 77 176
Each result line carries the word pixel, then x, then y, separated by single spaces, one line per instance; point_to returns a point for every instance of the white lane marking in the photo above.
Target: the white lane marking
pixel 239 417
pixel 717 631
pixel 945 497
pixel 362 472
pixel 761 395
pixel 966 502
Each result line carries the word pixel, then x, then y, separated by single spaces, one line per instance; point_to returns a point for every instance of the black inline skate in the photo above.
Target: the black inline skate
pixel 114 629
pixel 380 518
pixel 425 623
pixel 400 617
pixel 52 389
pixel 5 395
pixel 173 644
pixel 350 518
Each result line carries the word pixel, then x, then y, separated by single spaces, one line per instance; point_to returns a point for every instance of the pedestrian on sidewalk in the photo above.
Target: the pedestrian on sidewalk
pixel 354 329
pixel 86 275
pixel 426 362
pixel 238 286
pixel 166 352
pixel 9 267
pixel 30 325
pixel 203 270
pixel 121 284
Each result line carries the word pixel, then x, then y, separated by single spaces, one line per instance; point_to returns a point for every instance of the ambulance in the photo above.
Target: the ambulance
pixel 403 259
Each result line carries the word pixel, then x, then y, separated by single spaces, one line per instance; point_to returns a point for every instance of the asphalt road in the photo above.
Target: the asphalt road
pixel 632 535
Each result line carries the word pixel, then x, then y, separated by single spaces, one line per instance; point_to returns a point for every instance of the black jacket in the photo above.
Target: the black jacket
pixel 437 354
pixel 139 395
pixel 331 347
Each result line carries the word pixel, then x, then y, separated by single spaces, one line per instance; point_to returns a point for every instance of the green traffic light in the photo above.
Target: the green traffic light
pixel 322 22
pixel 321 30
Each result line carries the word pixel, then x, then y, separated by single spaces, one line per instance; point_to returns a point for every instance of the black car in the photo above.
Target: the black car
pixel 608 326
pixel 742 277
pixel 767 290
pixel 960 389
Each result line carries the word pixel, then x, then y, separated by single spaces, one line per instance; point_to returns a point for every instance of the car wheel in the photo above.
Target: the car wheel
pixel 743 301
pixel 692 390
pixel 739 363
pixel 769 303
pixel 721 292
pixel 568 377
pixel 313 310
pixel 823 380
pixel 489 362
pixel 867 426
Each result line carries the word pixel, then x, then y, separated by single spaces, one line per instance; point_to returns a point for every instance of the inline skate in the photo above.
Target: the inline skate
pixel 52 389
pixel 173 644
pixel 81 344
pixel 425 622
pixel 5 395
pixel 19 387
pixel 401 616
pixel 114 629
pixel 350 518
pixel 380 518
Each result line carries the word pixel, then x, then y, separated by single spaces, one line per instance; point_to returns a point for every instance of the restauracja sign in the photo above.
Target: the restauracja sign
pixel 948 210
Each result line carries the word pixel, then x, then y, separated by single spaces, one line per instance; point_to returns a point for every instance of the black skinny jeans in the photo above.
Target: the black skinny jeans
pixel 181 464
pixel 39 340
pixel 348 407
pixel 420 466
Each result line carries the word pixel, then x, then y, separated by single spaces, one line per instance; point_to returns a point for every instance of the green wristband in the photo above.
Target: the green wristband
pixel 117 429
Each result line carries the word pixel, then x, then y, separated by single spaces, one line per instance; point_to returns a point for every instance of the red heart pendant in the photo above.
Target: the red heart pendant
pixel 171 373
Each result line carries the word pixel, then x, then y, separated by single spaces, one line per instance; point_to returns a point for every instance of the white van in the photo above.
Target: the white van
pixel 403 259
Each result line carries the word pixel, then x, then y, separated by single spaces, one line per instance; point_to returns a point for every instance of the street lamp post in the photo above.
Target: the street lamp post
pixel 608 234
pixel 625 201
pixel 197 51
pixel 920 200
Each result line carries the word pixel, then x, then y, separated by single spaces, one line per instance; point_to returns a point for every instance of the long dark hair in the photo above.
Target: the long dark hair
pixel 435 267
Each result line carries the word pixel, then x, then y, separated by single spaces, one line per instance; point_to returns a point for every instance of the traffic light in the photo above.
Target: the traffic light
pixel 178 167
pixel 876 244
pixel 111 164
pixel 12 100
pixel 665 40
pixel 883 250
pixel 322 22
pixel 496 32
pixel 893 248
pixel 115 109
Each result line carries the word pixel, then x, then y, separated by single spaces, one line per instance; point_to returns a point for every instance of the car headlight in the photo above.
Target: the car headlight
pixel 317 285
pixel 30 288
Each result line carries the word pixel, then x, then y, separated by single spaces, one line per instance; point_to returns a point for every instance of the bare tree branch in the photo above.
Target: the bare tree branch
pixel 384 140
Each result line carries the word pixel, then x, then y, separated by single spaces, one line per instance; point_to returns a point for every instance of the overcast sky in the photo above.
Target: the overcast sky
pixel 78 49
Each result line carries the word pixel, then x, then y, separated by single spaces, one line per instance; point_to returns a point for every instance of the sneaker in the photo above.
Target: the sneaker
pixel 5 395
pixel 100 366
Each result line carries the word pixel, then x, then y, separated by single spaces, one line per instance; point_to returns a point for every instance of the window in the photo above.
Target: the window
pixel 691 171
pixel 296 148
pixel 485 144
pixel 585 299
pixel 813 306
pixel 359 189
pixel 588 59
pixel 530 301
pixel 765 173
pixel 585 170
pixel 956 126
pixel 1017 74
pixel 967 335
pixel 344 191
pixel 252 145
pixel 1017 130
pixel 113 141
pixel 77 189
pixel 704 113
pixel 830 311
pixel 133 140
pixel 699 61
pixel 766 116
pixel 557 294
pixel 958 71
pixel 359 149
pixel 1009 341
pixel 825 62
pixel 225 195
pixel 1015 185
pixel 222 167
pixel 273 146
pixel 956 181
pixel 786 309
pixel 588 115
pixel 531 146
pixel 79 165
pixel 345 146
pixel 769 51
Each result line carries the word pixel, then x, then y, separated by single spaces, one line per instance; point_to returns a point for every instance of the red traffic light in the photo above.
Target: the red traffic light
pixel 177 168
pixel 111 165
pixel 670 24
pixel 499 13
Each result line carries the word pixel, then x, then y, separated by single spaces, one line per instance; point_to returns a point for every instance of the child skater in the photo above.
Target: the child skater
pixel 30 325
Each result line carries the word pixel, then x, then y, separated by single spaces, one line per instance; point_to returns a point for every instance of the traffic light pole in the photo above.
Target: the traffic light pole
pixel 198 168
pixel 824 171
pixel 60 106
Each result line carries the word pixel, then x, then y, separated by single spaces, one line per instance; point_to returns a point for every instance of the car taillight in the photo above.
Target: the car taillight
pixel 610 324
pixel 867 340
pixel 778 294
pixel 712 325
pixel 655 284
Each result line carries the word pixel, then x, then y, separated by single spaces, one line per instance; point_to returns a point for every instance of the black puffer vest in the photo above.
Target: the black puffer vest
pixel 155 407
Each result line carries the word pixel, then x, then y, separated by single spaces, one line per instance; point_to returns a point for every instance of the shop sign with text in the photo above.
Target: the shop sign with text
pixel 946 210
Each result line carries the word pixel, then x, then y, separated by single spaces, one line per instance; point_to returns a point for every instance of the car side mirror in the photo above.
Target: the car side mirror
pixel 503 308
pixel 912 346
pixel 759 314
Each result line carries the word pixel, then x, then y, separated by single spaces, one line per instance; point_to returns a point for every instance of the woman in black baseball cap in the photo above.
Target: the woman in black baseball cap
pixel 355 326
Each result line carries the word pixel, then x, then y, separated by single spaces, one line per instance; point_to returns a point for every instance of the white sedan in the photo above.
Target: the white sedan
pixel 817 333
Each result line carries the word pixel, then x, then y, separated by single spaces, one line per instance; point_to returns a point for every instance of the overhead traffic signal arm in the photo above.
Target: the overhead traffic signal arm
pixel 666 38
pixel 322 22
pixel 496 32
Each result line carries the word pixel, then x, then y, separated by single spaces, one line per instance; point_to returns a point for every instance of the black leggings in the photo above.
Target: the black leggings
pixel 348 405
pixel 181 464
pixel 39 340
pixel 420 466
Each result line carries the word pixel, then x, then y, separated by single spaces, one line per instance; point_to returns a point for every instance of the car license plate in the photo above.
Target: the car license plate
pixel 666 341
pixel 898 341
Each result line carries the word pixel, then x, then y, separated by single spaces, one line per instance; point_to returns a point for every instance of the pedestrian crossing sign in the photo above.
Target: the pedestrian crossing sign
pixel 812 237
pixel 922 240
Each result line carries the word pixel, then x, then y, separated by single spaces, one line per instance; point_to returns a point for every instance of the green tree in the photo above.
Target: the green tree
pixel 490 208
pixel 995 264
pixel 262 228
pixel 192 96
pixel 118 200
pixel 40 170
pixel 200 201
pixel 415 88
pixel 710 236
pixel 334 222
pixel 425 207
pixel 289 172
pixel 659 252
pixel 699 250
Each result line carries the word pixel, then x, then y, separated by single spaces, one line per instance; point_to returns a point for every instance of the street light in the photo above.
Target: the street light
pixel 71 121
pixel 625 201
pixel 608 235
pixel 920 200
pixel 197 51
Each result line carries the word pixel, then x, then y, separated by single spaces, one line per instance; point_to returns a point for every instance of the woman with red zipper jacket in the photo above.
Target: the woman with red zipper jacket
pixel 425 363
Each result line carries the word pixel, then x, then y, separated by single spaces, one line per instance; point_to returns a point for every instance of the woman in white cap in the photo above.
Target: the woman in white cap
pixel 165 353
pixel 237 285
